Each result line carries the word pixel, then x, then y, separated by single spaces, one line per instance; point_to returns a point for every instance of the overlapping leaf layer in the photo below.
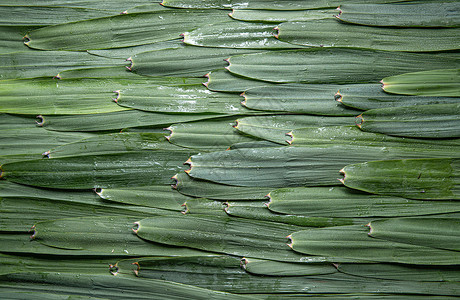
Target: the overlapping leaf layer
pixel 183 151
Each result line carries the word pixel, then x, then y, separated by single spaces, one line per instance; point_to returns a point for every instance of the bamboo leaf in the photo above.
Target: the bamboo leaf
pixel 158 196
pixel 352 135
pixel 275 128
pixel 370 96
pixel 443 83
pixel 202 206
pixel 291 166
pixel 235 236
pixel 206 135
pixel 441 14
pixel 206 189
pixel 260 212
pixel 185 61
pixel 429 232
pixel 122 169
pixel 421 121
pixel 134 50
pixel 102 286
pixel 341 202
pixel 430 179
pixel 331 33
pixel 116 5
pixel 188 99
pixel 108 236
pixel 12 38
pixel 117 120
pixel 122 30
pixel 334 65
pixel 402 272
pixel 354 242
pixel 222 80
pixel 278 16
pixel 261 4
pixel 297 98
pixel 236 35
pixel 276 268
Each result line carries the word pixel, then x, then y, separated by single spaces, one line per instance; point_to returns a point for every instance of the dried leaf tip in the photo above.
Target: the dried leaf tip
pixel 124 12
pixel 237 124
pixel 340 12
pixel 130 67
pixel 243 262
pixel 291 135
pixel 359 121
pixel 26 39
pixel 58 76
pixel 338 97
pixel 136 227
pixel 117 96
pixel 113 269
pixel 277 34
pixel 176 182
pixel 186 209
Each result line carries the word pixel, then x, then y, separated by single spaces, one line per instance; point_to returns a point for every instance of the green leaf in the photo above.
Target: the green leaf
pixel 202 206
pixel 331 33
pixel 12 37
pixel 181 99
pixel 158 196
pixel 185 61
pixel 370 96
pixel 108 236
pixel 222 80
pixel 353 242
pixel 122 30
pixel 438 14
pixel 118 120
pixel 206 135
pixel 134 50
pixel 201 188
pixel 49 96
pixel 275 268
pixel 341 202
pixel 297 98
pixel 335 65
pixel 261 4
pixel 402 272
pixel 124 169
pixel 235 236
pixel 442 83
pixel 102 287
pixel 430 179
pixel 260 212
pixel 352 135
pixel 116 6
pixel 113 143
pixel 429 232
pixel 278 16
pixel 420 121
pixel 238 35
pixel 275 128
pixel 291 166
pixel 49 64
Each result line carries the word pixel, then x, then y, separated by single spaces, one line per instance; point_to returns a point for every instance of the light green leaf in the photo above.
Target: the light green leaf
pixel 278 16
pixel 221 80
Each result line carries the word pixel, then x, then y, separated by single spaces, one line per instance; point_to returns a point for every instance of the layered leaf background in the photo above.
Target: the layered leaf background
pixel 220 149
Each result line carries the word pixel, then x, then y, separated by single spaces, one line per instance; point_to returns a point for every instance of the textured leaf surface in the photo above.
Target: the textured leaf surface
pixel 222 80
pixel 12 38
pixel 117 120
pixel 430 232
pixel 352 135
pixel 290 166
pixel 206 135
pixel 185 61
pixel 370 96
pixel 126 52
pixel 405 15
pixel 237 35
pixel 354 242
pixel 347 203
pixel 121 30
pixel 409 178
pixel 444 83
pixel 331 33
pixel 421 121
pixel 49 64
pixel 201 188
pixel 225 235
pixel 99 171
pixel 335 65
pixel 297 98
pixel 186 99
pixel 275 128
pixel 278 16
pixel 276 268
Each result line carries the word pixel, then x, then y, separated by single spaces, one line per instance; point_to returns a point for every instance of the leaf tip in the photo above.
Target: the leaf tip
pixel 40 121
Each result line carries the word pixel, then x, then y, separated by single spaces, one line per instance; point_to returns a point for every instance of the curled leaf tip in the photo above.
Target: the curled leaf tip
pixel 136 227
pixel 113 269
pixel 124 12
pixel 359 121
pixel 243 262
pixel 58 76
pixel 338 97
